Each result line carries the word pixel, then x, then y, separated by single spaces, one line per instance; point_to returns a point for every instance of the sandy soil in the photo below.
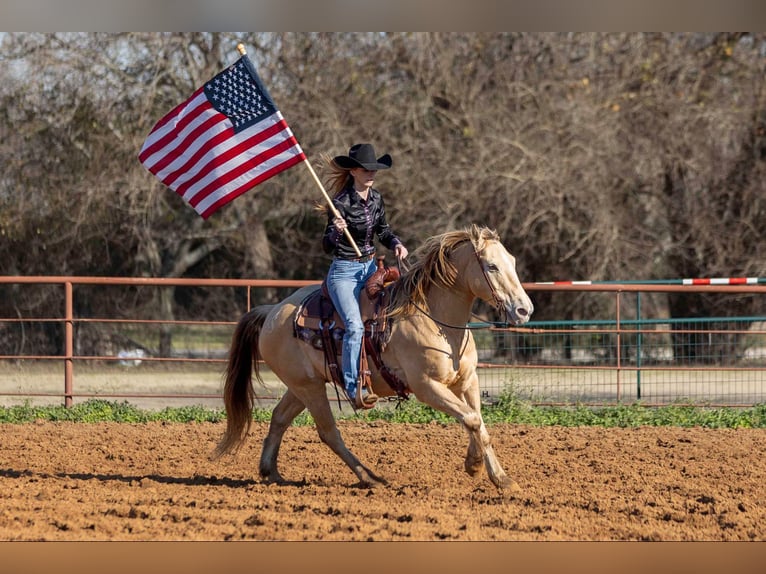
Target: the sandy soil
pixel 107 481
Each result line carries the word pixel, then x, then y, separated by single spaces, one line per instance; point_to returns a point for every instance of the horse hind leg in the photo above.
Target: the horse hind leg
pixel 315 399
pixel 282 416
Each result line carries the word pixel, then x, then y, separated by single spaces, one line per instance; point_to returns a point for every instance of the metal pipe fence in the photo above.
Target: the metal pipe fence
pixel 621 357
pixel 717 361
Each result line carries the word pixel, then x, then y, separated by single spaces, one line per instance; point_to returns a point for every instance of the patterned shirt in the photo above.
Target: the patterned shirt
pixel 365 219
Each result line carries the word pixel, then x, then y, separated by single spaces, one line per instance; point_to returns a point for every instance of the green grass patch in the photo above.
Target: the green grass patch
pixel 508 409
pixel 96 410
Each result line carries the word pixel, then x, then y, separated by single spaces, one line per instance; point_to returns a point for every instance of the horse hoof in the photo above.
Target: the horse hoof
pixel 511 486
pixel 473 468
pixel 272 478
pixel 370 480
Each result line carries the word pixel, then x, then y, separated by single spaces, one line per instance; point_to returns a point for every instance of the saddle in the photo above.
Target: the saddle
pixel 318 324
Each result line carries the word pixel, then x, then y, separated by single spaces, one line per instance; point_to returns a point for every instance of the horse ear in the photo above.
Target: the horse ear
pixel 476 235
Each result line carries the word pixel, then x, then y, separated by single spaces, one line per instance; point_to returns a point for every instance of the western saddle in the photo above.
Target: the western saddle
pixel 318 324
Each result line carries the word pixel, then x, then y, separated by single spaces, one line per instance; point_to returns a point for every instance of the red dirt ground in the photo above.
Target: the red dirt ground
pixel 109 481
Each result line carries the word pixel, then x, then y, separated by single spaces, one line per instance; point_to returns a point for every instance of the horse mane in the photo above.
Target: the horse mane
pixel 433 265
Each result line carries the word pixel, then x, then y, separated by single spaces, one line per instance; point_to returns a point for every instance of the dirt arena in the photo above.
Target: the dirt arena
pixel 124 482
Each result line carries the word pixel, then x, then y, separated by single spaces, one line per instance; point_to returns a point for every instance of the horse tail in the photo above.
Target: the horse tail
pixel 238 393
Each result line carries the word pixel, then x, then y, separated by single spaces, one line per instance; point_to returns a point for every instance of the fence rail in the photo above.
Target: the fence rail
pixel 623 357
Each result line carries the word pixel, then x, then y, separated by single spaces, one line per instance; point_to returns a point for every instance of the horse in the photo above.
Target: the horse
pixel 430 348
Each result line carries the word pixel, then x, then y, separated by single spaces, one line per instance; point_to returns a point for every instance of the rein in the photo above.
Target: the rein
pixel 443 324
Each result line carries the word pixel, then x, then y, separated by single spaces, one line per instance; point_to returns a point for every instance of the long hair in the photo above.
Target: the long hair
pixel 433 266
pixel 335 180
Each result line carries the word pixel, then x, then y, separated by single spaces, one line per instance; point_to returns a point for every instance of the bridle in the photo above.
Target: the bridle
pixel 495 297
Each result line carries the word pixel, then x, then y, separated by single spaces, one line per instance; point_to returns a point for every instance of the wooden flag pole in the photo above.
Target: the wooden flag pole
pixel 346 232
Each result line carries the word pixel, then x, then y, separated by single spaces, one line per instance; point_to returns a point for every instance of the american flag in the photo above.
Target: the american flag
pixel 225 139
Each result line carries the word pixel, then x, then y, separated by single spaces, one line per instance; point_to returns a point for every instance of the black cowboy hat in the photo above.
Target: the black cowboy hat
pixel 363 155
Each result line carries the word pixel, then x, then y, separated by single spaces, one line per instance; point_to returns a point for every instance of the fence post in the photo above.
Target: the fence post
pixel 68 343
pixel 639 340
pixel 619 347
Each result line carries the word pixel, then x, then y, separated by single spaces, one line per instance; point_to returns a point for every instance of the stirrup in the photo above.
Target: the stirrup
pixel 367 402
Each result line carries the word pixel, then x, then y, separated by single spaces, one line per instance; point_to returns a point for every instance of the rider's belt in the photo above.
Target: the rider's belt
pixel 362 259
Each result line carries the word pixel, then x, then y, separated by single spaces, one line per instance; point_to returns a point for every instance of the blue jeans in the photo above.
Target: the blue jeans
pixel 345 281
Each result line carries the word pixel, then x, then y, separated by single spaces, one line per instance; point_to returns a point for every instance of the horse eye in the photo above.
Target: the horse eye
pixel 491 267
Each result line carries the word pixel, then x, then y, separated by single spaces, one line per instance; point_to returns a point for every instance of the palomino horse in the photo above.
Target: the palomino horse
pixel 430 349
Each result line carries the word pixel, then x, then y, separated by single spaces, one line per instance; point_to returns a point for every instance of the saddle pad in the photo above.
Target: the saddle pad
pixel 317 310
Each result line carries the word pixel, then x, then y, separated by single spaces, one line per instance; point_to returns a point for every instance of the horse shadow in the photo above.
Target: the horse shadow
pixel 195 480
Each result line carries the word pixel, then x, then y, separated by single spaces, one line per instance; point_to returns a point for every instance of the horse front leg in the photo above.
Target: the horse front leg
pixel 468 412
pixel 474 458
pixel 480 444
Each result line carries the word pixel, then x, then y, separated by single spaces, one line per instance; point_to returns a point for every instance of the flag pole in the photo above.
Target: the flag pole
pixel 241 49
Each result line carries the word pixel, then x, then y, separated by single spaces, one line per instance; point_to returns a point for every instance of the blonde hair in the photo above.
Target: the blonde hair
pixel 335 180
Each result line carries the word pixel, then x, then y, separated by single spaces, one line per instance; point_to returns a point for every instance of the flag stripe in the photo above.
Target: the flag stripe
pixel 223 199
pixel 194 99
pixel 209 126
pixel 236 169
pixel 171 126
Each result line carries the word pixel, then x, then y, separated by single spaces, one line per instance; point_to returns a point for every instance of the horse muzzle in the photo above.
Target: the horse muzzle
pixel 519 314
